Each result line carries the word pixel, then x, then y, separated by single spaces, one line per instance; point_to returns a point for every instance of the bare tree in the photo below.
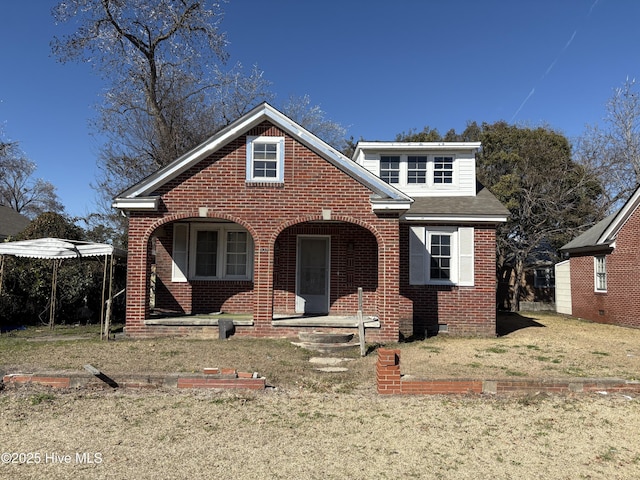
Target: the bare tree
pixel 19 190
pixel 612 152
pixel 168 89
pixel 313 118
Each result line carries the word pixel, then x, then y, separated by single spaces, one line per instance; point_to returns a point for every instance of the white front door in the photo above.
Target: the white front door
pixel 312 285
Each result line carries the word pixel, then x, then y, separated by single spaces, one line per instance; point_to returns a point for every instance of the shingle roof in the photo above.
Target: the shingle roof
pixel 484 205
pixel 589 239
pixel 603 234
pixel 11 222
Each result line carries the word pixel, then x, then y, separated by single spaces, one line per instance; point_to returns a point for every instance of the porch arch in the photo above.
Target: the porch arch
pixel 354 259
pixel 196 295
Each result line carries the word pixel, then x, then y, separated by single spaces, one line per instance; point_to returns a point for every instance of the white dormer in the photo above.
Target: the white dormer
pixel 422 169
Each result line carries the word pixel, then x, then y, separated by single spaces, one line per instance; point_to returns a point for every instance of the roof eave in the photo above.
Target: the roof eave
pixel 147 204
pixel 489 219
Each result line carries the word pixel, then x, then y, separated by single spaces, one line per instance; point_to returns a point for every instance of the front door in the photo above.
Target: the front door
pixel 312 283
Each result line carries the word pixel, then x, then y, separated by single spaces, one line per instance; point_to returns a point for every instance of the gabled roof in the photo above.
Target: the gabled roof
pixel 603 234
pixel 11 222
pixel 139 196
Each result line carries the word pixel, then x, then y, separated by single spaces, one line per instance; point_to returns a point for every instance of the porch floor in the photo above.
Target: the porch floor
pixel 239 319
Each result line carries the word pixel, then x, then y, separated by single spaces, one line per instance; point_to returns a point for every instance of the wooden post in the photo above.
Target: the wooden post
pixel 363 348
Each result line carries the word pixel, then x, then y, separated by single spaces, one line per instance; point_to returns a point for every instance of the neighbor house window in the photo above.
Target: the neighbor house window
pixel 544 278
pixel 265 159
pixel 600 266
pixel 443 170
pixel 390 169
pixel 416 169
pixel 441 256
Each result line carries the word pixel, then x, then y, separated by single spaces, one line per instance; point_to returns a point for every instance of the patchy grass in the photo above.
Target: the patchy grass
pixel 544 346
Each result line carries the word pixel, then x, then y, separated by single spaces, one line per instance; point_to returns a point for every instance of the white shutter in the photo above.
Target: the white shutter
pixel 417 256
pixel 180 249
pixel 465 256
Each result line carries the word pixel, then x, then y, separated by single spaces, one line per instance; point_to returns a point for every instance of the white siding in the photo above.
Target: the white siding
pixel 464 172
pixel 563 288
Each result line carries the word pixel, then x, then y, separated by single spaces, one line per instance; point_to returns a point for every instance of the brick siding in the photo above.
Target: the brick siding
pixel 620 304
pixel 367 249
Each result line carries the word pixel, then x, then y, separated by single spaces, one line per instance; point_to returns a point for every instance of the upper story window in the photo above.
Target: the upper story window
pixel 419 171
pixel 443 170
pixel 390 168
pixel 416 169
pixel 600 273
pixel 265 159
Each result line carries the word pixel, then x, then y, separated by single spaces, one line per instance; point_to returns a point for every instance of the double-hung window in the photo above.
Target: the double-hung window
pixel 390 168
pixel 600 273
pixel 265 159
pixel 441 256
pixel 416 169
pixel 443 170
pixel 210 251
pixel 440 249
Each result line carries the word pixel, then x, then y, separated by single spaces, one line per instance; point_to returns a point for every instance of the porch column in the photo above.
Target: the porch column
pixel 389 281
pixel 138 273
pixel 263 288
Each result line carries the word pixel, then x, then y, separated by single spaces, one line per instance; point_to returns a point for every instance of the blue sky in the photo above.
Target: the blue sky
pixel 377 67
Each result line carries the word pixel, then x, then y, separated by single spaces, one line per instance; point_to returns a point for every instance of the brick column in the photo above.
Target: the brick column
pixel 263 288
pixel 138 273
pixel 389 282
pixel 388 371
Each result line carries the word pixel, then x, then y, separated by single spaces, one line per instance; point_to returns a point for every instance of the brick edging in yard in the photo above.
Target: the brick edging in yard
pixel 210 378
pixel 390 381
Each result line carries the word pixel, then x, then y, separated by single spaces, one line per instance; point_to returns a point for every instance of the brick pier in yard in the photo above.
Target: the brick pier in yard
pixel 216 378
pixel 390 381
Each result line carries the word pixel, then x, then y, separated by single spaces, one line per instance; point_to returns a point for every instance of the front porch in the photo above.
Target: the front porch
pixel 167 319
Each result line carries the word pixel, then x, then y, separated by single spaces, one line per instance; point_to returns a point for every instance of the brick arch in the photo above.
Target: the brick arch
pixel 313 218
pixel 196 214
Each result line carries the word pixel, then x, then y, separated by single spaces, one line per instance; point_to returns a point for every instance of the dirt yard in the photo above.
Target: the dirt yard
pixel 316 425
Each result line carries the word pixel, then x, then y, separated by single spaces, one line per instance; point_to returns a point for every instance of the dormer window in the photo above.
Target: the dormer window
pixel 390 168
pixel 265 159
pixel 420 171
pixel 417 169
pixel 442 170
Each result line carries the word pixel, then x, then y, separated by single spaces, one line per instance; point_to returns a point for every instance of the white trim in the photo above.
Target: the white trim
pixel 595 273
pixel 299 306
pixel 140 203
pixel 221 254
pixel 453 219
pixel 462 255
pixel 444 146
pixel 620 219
pixel 279 142
pixel 244 124
pixel 386 205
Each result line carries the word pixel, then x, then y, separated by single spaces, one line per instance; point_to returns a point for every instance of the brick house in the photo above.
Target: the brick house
pixel 266 221
pixel 604 269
